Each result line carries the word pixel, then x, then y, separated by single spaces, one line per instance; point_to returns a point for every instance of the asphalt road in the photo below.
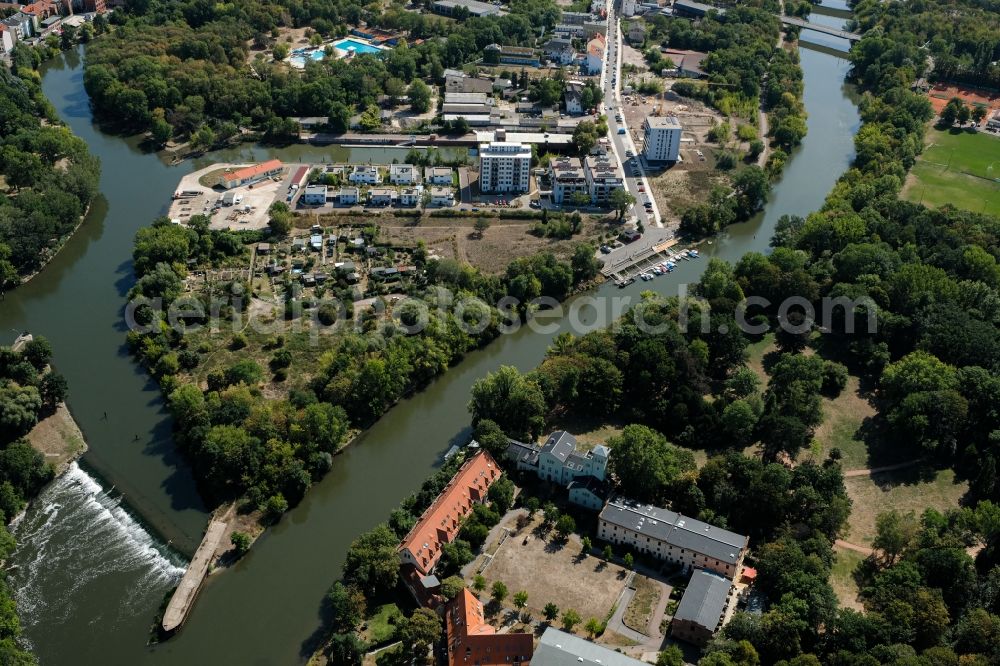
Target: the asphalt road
pixel 622 143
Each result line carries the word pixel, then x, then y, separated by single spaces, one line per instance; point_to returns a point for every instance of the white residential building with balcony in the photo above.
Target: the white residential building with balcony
pixel 504 167
pixel 364 174
pixel 603 177
pixel 568 179
pixel 403 174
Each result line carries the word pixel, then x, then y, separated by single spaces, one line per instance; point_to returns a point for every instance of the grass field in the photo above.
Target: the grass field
pixel 897 490
pixel 640 609
pixel 958 168
pixel 842 577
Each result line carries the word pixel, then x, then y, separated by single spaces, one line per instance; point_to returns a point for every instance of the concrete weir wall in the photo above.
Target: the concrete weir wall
pixel 184 596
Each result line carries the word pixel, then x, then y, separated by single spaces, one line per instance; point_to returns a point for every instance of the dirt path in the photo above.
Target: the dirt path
pixel 876 470
pixel 847 545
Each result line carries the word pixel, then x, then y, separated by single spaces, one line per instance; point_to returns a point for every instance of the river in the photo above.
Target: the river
pixel 89 576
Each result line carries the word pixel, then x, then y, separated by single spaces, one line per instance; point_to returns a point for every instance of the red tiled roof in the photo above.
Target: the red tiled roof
pixel 472 641
pixel 440 523
pixel 596 45
pixel 256 170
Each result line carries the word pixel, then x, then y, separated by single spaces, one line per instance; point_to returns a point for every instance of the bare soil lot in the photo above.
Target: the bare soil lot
pixel 554 572
pixel 456 237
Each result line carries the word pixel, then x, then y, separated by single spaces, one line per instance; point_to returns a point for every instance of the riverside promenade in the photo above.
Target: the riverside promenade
pixel 184 596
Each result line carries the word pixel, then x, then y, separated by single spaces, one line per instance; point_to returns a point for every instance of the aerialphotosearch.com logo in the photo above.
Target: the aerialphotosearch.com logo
pixel 471 315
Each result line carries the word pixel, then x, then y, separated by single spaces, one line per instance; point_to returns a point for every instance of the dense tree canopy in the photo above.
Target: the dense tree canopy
pixel 50 176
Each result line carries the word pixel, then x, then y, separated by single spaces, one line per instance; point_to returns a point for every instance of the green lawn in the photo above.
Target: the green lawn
pixel 842 577
pixel 381 624
pixel 959 168
pixel 901 490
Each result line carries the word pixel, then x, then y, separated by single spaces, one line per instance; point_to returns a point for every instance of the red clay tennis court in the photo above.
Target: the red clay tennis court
pixel 941 93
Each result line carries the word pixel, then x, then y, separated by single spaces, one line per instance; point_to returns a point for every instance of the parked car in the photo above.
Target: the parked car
pixel 605 249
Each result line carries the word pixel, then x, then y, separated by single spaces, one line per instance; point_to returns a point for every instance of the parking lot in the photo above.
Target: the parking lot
pixel 247 211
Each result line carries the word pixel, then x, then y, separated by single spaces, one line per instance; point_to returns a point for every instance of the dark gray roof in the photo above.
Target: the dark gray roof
pixel 675 529
pixel 592 483
pixel 696 7
pixel 704 599
pixel 560 444
pixel 519 451
pixel 557 648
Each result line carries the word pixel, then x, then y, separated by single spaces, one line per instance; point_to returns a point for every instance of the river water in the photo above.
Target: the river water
pixel 89 577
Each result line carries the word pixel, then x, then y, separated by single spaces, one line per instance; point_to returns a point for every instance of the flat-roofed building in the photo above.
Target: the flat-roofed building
pixel 504 167
pixel 403 174
pixel 347 196
pixel 662 138
pixel 363 174
pixel 442 196
pixel 577 18
pixel 381 196
pixel 473 7
pixel 670 536
pixel 314 195
pixel 603 177
pixel 456 81
pixel 512 55
pixel 469 98
pixel 438 175
pixel 568 179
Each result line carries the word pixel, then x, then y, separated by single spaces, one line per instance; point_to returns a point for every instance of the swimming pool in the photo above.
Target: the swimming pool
pixel 299 56
pixel 358 47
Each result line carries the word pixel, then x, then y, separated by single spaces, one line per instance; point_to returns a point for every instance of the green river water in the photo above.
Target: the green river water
pixel 103 544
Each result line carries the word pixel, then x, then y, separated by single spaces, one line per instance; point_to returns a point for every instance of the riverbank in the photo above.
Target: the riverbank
pixel 57 436
pixel 59 246
pixel 59 439
pixel 104 576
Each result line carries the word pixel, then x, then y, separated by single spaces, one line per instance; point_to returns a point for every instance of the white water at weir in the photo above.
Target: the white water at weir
pixel 106 543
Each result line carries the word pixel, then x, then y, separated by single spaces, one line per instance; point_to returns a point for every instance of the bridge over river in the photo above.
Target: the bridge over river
pixel 836 32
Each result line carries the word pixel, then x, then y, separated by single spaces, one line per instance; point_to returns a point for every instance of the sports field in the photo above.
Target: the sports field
pixel 959 168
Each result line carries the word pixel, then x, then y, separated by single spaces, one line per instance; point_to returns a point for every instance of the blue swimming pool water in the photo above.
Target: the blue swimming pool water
pixel 359 47
pixel 318 54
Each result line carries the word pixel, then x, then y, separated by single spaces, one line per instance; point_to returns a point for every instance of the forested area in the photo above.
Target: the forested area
pixel 930 277
pixel 46 173
pixel 962 38
pixel 29 391
pixel 268 451
pixel 174 67
pixel 740 44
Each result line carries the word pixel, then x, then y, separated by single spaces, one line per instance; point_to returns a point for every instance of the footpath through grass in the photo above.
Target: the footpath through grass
pixel 960 168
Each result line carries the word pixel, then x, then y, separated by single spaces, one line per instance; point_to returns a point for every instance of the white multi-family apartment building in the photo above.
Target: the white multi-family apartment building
pixel 504 167
pixel 603 177
pixel 663 138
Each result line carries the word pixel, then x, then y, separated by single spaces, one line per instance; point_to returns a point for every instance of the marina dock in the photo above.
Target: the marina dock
pixel 185 594
pixel 643 260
